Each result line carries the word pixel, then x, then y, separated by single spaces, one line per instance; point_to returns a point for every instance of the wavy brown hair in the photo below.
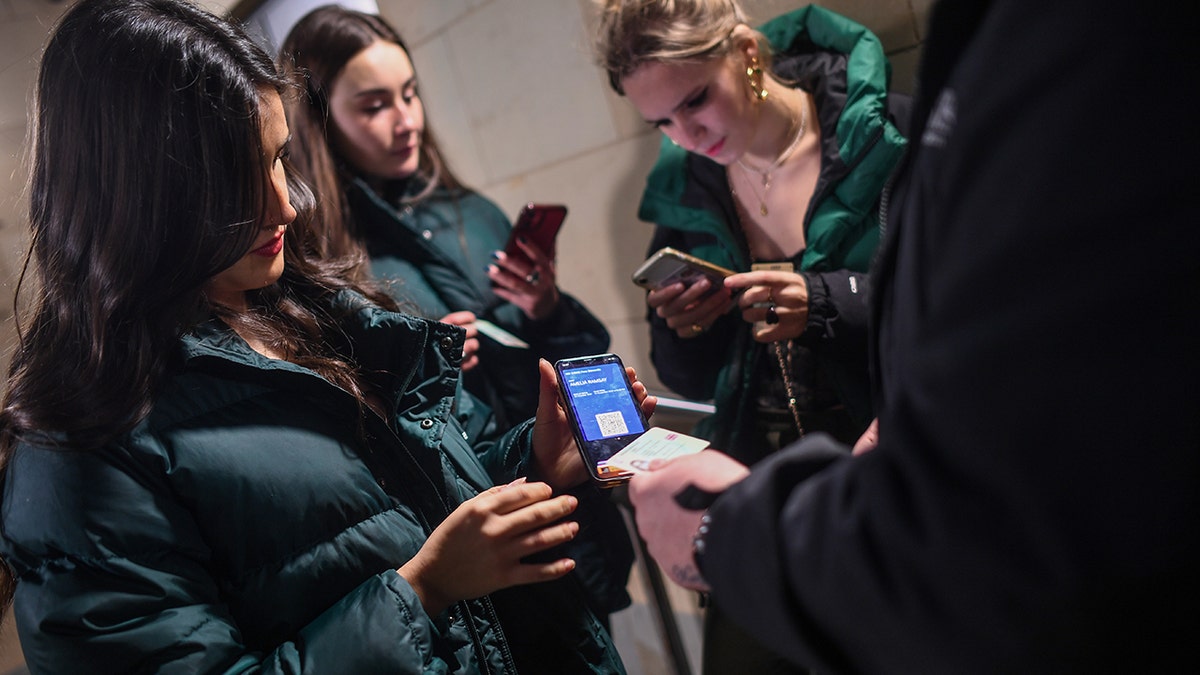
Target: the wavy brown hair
pixel 148 179
pixel 313 55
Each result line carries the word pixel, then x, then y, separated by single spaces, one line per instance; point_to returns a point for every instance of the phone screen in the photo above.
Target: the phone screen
pixel 601 407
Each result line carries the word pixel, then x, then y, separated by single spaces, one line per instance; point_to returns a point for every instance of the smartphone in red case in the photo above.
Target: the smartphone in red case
pixel 538 224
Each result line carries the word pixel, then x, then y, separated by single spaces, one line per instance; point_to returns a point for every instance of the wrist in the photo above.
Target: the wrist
pixel 433 602
pixel 546 309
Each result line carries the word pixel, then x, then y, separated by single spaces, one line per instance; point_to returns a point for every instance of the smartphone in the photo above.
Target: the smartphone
pixel 602 410
pixel 668 266
pixel 538 224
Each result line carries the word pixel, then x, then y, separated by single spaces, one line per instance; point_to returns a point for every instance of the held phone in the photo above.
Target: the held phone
pixel 603 413
pixel 539 225
pixel 668 266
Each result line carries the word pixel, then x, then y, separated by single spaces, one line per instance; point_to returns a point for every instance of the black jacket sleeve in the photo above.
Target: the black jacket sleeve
pixel 838 312
pixel 1031 506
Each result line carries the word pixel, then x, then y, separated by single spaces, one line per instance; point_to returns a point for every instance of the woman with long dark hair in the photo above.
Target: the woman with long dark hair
pixel 218 455
pixel 364 141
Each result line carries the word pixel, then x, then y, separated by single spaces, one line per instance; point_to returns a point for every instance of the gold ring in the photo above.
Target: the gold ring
pixel 697 329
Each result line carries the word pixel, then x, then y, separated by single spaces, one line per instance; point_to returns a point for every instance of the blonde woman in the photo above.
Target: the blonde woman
pixel 777 147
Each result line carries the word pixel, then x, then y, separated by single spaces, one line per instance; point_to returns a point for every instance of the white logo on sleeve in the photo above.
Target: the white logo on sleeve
pixel 941 122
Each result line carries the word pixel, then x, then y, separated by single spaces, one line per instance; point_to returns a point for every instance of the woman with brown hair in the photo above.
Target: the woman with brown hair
pixel 363 139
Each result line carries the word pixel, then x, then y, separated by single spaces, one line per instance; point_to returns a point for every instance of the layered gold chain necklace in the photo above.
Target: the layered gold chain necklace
pixel 767 173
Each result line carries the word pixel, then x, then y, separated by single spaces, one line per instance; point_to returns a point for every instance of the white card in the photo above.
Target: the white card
pixel 656 443
pixel 499 334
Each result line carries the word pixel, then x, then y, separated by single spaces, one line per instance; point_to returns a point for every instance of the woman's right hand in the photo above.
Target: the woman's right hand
pixel 478 548
pixel 686 309
pixel 471 346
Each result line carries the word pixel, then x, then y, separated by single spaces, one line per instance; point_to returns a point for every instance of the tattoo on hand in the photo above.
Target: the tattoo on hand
pixel 687 574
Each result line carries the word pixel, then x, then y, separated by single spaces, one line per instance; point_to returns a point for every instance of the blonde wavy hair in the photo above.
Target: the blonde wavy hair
pixel 631 33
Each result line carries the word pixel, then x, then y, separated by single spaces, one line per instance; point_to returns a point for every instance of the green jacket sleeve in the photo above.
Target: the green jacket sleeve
pixel 114 577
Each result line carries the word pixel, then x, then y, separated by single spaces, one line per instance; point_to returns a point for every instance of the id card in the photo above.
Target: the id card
pixel 500 335
pixel 656 443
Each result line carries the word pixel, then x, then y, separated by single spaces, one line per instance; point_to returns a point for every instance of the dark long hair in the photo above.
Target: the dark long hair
pixel 313 56
pixel 149 177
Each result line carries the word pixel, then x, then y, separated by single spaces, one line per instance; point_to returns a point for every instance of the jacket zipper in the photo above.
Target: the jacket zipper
pixel 441 500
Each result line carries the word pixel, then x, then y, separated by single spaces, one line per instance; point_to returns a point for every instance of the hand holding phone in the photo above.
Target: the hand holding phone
pixel 668 266
pixel 537 224
pixel 602 410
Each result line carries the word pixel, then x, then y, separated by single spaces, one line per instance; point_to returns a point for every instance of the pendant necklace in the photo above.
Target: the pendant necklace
pixel 770 170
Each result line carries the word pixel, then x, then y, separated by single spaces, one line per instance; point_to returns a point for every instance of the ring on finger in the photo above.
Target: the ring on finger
pixel 697 329
pixel 533 278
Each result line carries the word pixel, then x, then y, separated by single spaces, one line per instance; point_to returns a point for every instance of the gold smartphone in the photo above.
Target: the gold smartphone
pixel 668 266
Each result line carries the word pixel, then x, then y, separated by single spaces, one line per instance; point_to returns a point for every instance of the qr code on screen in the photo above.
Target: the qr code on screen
pixel 612 423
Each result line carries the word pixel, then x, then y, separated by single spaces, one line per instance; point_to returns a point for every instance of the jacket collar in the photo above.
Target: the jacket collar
pixel 381 341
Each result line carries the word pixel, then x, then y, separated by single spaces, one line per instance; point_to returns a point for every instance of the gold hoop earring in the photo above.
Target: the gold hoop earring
pixel 754 74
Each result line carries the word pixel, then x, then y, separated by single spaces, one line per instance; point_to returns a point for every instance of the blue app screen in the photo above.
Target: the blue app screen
pixel 602 404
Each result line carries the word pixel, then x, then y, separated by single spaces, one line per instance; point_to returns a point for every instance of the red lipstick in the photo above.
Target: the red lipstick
pixel 271 248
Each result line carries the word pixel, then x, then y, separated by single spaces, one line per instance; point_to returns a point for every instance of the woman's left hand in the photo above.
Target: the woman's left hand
pixel 775 302
pixel 529 284
pixel 556 456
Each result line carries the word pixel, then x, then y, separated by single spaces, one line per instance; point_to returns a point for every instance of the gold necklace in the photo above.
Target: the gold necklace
pixel 767 173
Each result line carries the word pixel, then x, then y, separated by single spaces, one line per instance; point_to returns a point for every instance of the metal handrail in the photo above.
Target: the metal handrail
pixel 684 414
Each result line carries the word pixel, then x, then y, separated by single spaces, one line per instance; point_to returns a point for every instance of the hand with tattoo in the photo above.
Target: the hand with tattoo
pixel 668 528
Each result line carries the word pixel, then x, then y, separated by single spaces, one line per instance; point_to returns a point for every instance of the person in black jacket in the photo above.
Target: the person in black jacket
pixel 1031 504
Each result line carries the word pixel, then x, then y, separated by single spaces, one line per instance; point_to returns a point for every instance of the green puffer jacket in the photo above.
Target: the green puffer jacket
pixel 434 255
pixel 244 527
pixel 688 198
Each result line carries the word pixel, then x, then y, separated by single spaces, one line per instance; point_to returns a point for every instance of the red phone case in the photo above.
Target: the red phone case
pixel 538 224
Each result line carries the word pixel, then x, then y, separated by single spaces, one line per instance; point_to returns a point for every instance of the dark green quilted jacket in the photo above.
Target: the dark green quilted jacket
pixel 244 527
